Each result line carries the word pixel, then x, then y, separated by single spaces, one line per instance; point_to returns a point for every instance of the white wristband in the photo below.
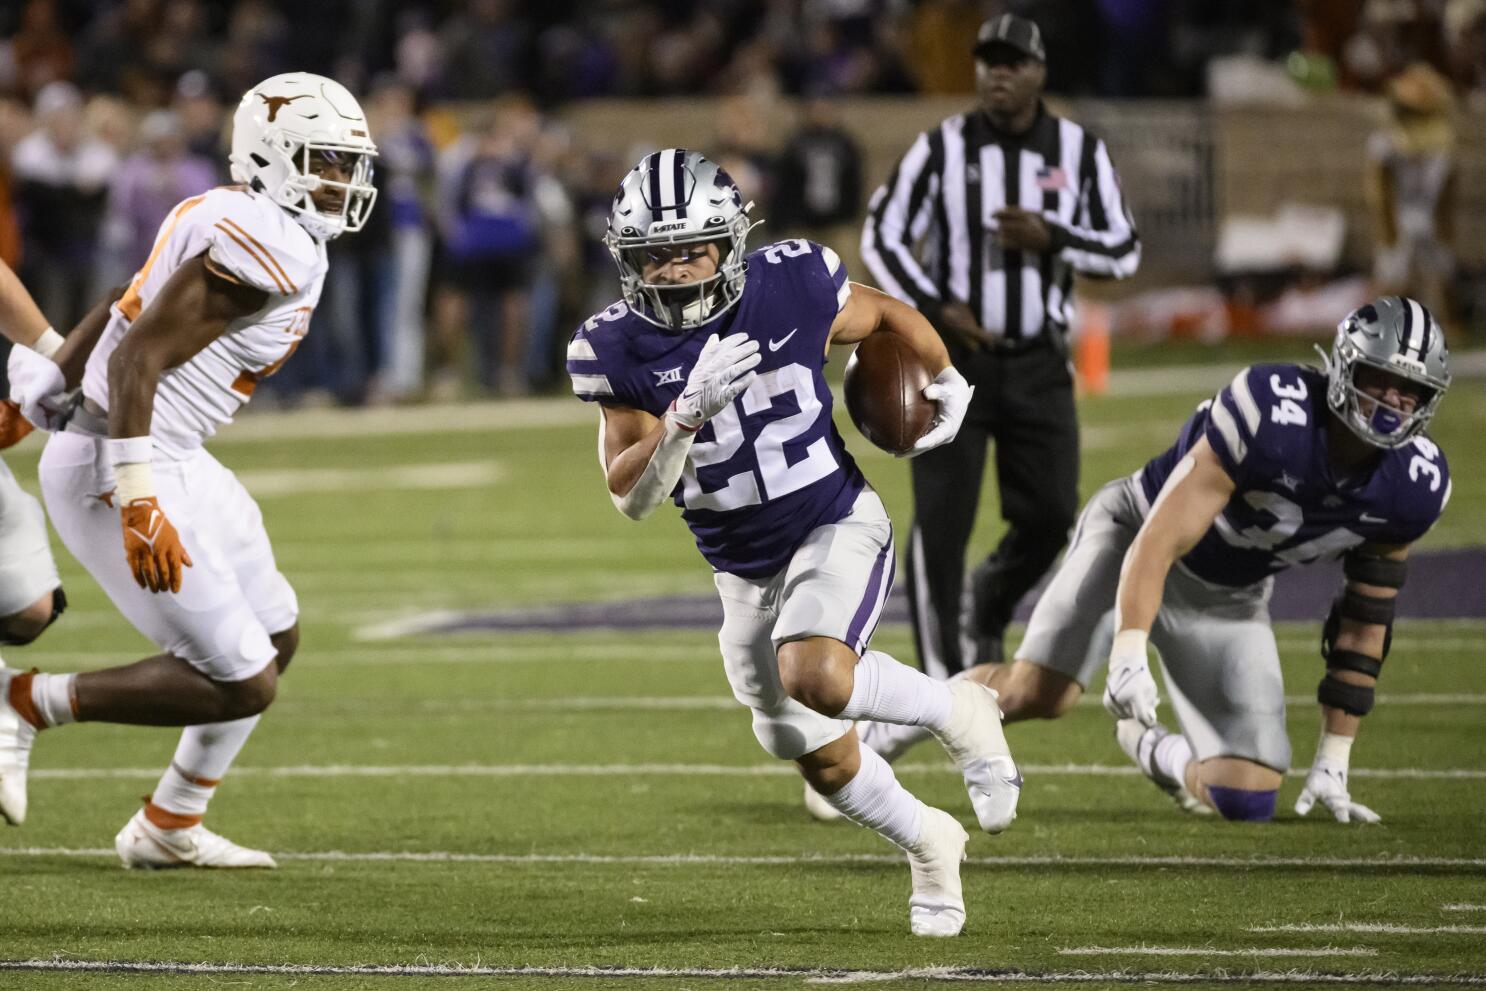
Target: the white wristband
pixel 130 450
pixel 1335 748
pixel 1130 643
pixel 48 343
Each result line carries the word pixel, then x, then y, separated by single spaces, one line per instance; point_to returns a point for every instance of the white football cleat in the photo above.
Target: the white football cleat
pixel 16 738
pixel 820 809
pixel 937 905
pixel 1129 733
pixel 141 843
pixel 975 741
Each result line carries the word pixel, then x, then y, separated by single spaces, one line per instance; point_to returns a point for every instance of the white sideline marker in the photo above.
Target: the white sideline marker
pixel 1208 951
pixel 812 975
pixel 790 860
pixel 1372 928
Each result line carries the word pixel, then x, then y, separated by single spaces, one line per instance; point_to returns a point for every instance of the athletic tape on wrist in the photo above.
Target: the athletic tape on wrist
pixel 48 343
pixel 1335 748
pixel 133 482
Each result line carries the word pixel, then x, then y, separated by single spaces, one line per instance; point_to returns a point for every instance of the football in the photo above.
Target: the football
pixel 885 380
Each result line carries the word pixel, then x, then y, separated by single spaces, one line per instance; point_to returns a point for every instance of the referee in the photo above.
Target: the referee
pixel 981 227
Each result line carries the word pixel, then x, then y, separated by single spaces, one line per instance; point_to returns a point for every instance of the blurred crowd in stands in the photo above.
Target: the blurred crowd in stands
pixel 483 250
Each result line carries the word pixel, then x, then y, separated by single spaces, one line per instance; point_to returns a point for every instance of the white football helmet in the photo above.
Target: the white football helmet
pixel 279 124
pixel 673 197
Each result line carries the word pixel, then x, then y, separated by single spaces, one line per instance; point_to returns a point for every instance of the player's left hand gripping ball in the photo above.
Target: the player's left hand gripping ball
pixel 952 393
pixel 1327 783
pixel 152 546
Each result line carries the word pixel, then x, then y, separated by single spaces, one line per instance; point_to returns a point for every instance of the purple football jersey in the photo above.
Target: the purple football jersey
pixel 1268 428
pixel 771 467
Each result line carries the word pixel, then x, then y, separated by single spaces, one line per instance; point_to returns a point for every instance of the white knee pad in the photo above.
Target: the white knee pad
pixel 789 730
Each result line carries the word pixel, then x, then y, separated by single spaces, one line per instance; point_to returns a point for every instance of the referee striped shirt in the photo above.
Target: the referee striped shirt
pixel 929 236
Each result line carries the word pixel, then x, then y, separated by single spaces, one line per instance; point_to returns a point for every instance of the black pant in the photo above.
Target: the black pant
pixel 1024 402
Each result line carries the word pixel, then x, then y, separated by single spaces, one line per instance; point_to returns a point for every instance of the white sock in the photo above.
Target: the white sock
pixel 201 761
pixel 875 799
pixel 886 691
pixel 52 696
pixel 1169 755
pixel 889 740
pixel 892 741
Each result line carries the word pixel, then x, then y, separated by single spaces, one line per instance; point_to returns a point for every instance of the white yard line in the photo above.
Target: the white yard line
pixel 813 975
pixel 1372 928
pixel 1458 907
pixel 1208 951
pixel 790 860
pixel 671 770
pixel 438 475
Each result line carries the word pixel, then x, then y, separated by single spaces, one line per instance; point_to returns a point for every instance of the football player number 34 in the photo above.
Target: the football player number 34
pixel 775 476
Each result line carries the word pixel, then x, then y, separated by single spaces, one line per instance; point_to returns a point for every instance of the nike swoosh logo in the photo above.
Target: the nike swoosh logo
pixel 1368 518
pixel 776 345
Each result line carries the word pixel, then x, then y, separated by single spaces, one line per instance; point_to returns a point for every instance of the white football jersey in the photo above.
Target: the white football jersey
pixel 248 239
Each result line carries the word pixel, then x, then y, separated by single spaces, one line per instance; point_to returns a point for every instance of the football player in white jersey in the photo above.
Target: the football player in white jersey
pixel 223 301
pixel 31 595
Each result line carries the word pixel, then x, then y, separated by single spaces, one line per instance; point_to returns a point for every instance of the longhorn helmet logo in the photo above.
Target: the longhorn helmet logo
pixel 277 103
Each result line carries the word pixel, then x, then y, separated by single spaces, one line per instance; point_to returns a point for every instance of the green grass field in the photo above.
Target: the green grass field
pixel 462 805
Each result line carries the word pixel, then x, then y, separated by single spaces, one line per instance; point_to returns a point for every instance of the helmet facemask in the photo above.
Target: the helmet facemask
pixel 1392 337
pixel 682 306
pixel 296 194
pixel 1370 417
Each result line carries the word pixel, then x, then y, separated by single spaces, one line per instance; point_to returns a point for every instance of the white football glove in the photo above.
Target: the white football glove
pixel 723 370
pixel 1130 691
pixel 950 390
pixel 1327 782
pixel 36 386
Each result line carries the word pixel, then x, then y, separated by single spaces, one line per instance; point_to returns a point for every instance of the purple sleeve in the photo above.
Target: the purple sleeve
pixel 1423 492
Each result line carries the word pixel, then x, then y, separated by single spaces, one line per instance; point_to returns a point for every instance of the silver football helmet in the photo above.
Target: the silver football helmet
pixel 675 197
pixel 1399 336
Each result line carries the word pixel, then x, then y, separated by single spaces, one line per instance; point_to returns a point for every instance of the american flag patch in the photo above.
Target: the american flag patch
pixel 1049 180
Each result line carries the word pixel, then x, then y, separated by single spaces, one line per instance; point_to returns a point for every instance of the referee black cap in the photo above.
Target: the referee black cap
pixel 1012 31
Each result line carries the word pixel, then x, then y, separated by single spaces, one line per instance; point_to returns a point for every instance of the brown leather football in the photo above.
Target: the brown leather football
pixel 885 382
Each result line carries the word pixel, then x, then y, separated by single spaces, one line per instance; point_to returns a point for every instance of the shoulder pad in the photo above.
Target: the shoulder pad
pixel 592 354
pixel 256 243
pixel 1423 489
pixel 814 264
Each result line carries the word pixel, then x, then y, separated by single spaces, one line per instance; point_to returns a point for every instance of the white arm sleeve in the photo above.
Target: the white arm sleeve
pixel 660 476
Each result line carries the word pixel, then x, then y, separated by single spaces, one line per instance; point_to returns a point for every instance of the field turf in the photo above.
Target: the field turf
pixel 463 806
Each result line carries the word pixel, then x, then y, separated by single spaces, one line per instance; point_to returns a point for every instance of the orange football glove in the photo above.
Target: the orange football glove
pixel 13 426
pixel 153 548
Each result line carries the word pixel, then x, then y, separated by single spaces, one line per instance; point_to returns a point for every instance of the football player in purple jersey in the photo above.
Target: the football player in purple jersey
pixel 709 380
pixel 1287 465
